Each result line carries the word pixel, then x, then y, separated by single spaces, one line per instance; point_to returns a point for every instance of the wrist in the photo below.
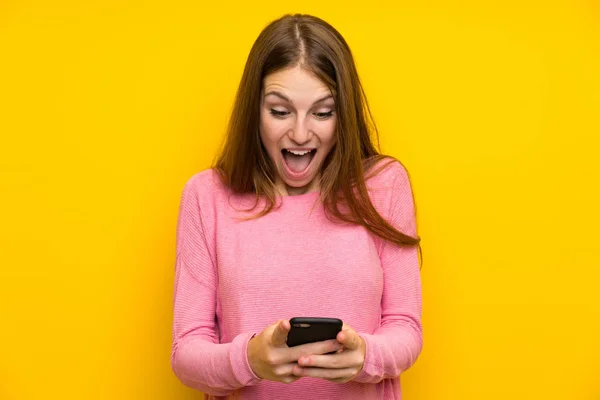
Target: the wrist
pixel 251 355
pixel 363 373
pixel 363 350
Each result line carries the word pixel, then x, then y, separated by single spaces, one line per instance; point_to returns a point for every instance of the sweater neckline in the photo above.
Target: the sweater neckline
pixel 300 197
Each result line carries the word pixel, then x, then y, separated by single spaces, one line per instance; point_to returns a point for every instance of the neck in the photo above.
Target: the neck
pixel 286 190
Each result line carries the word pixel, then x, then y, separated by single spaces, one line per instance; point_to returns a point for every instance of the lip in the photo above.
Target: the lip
pixel 299 148
pixel 298 175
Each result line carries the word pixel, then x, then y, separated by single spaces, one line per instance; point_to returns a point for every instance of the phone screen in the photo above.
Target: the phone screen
pixel 312 329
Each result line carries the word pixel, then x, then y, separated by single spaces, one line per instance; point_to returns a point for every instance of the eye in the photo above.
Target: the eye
pixel 323 115
pixel 278 113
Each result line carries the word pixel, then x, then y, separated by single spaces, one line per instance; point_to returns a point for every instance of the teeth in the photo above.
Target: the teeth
pixel 299 153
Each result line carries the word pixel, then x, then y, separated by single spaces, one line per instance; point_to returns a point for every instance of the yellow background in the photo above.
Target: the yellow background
pixel 107 108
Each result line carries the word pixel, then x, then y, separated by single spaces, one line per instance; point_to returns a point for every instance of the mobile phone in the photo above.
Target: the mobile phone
pixel 312 329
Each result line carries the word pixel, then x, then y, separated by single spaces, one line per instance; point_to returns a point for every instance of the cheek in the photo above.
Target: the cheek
pixel 328 135
pixel 270 131
pixel 270 138
pixel 266 133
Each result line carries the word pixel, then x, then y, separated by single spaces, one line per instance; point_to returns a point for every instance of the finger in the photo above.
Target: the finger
pixel 279 335
pixel 349 339
pixel 339 360
pixel 290 379
pixel 318 348
pixel 284 370
pixel 325 373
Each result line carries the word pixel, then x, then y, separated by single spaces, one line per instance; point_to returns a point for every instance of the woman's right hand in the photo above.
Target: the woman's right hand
pixel 270 357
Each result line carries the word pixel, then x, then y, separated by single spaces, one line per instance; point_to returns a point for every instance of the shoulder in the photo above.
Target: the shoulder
pixel 390 191
pixel 205 188
pixel 202 199
pixel 387 172
pixel 205 182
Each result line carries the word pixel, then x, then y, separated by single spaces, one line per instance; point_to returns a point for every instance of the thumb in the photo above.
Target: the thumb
pixel 349 338
pixel 279 335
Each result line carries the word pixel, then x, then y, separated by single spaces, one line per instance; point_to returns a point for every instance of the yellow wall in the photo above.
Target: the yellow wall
pixel 107 108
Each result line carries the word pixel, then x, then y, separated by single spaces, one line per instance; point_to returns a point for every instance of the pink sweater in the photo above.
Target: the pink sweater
pixel 234 277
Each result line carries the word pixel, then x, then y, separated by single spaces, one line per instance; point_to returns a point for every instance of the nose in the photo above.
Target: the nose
pixel 300 132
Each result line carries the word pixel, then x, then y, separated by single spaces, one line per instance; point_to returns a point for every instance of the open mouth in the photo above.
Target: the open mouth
pixel 298 160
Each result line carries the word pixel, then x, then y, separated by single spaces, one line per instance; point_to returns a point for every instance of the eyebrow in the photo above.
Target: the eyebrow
pixel 282 96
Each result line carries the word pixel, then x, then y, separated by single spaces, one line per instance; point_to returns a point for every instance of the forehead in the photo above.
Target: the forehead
pixel 295 82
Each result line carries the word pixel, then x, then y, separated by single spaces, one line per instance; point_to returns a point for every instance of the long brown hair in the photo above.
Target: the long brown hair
pixel 244 164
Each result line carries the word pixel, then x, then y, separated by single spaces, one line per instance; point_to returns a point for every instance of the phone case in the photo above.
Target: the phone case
pixel 312 329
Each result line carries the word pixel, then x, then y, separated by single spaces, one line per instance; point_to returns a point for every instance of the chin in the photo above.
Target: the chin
pixel 301 184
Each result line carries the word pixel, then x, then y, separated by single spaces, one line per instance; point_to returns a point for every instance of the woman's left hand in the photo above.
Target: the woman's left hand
pixel 340 367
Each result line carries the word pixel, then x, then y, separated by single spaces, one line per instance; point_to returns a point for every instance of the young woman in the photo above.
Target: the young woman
pixel 300 216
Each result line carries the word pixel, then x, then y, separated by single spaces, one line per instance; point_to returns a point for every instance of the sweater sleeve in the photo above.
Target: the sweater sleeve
pixel 397 343
pixel 197 357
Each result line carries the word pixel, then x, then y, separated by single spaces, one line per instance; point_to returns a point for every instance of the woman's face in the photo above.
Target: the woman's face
pixel 297 125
